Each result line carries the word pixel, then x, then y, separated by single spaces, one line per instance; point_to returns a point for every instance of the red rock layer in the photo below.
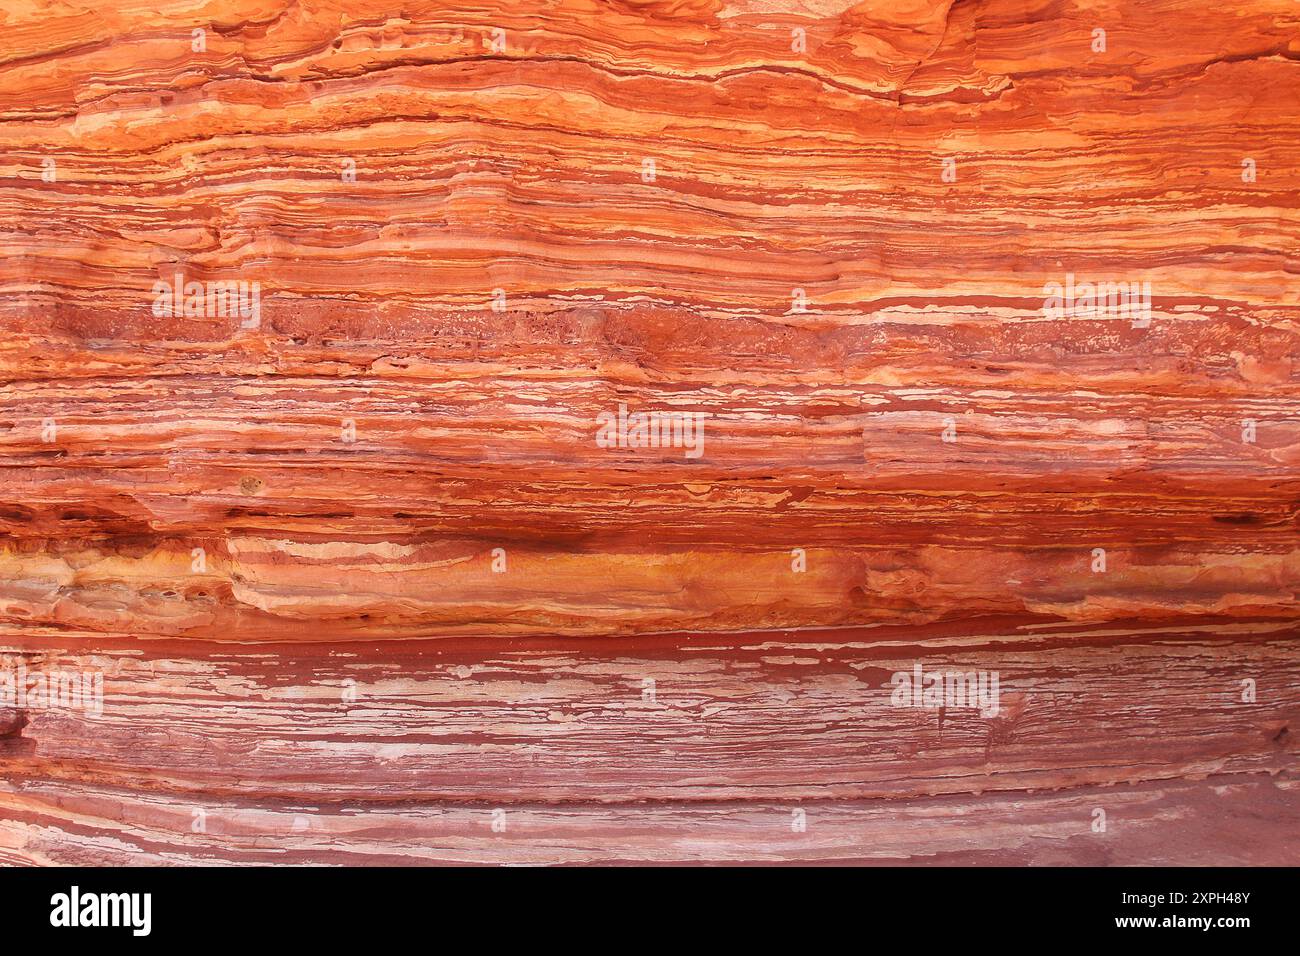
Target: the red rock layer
pixel 425 593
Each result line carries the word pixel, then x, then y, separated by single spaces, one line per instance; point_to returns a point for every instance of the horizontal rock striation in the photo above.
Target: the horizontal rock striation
pixel 329 341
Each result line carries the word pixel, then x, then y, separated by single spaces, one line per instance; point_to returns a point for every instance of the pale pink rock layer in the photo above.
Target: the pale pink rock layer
pixel 428 600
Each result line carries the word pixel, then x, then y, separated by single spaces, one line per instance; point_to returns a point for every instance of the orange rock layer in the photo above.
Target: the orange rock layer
pixel 362 579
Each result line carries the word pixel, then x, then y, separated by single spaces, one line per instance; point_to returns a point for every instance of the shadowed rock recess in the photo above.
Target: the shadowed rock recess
pixel 572 431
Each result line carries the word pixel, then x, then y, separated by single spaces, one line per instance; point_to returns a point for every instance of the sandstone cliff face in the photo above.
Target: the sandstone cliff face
pixel 333 342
